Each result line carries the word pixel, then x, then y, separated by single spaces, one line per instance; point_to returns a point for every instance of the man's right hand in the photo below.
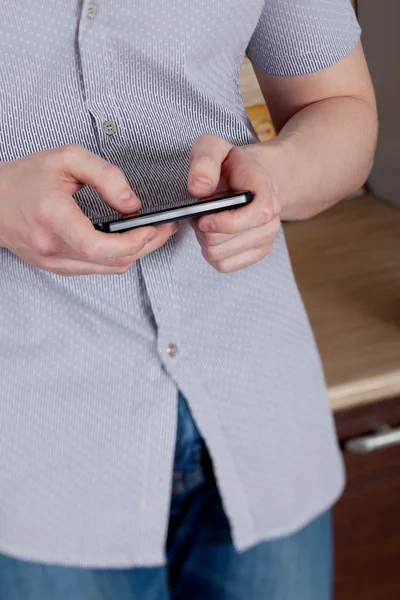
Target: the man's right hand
pixel 41 223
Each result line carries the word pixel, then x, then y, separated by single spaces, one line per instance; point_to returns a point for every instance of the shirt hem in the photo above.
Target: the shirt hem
pixel 124 562
pixel 311 62
pixel 292 528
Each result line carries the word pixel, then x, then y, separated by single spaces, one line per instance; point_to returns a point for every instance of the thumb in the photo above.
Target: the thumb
pixel 84 167
pixel 206 158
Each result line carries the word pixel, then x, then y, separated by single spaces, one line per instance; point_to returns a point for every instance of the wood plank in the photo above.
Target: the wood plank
pixel 261 121
pixel 250 89
pixel 347 264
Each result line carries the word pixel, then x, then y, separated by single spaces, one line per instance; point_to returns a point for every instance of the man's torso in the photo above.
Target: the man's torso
pixel 89 384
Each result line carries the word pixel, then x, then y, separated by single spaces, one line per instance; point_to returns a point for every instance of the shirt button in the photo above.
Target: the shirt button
pixel 172 350
pixel 91 11
pixel 109 127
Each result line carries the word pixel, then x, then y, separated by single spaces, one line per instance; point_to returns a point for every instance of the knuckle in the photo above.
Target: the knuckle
pixel 205 160
pixel 122 270
pixel 45 264
pixel 267 249
pixel 277 207
pixel 49 158
pixel 64 157
pixel 221 266
pixel 265 214
pixel 135 249
pixel 43 216
pixel 208 254
pixel 89 250
pixel 211 254
pixel 121 262
pixel 209 239
pixel 140 244
pixel 111 172
pixel 44 246
pixel 161 239
pixel 69 151
pixel 275 227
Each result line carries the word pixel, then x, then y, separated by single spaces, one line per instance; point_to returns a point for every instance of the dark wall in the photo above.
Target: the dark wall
pixel 380 21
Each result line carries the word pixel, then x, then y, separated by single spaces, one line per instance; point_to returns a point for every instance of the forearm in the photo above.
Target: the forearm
pixel 325 153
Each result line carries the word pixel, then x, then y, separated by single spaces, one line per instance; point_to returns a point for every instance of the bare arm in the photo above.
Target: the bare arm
pixel 327 124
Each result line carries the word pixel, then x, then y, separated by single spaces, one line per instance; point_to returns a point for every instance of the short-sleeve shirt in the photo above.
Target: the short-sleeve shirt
pixel 90 366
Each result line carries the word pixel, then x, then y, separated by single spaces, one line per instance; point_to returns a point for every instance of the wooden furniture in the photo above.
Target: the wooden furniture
pixel 367 518
pixel 255 103
pixel 347 264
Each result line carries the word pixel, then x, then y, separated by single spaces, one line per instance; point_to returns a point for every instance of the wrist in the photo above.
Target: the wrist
pixel 276 156
pixel 297 173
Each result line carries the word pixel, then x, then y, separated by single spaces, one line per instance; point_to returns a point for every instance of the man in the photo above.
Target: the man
pixel 161 353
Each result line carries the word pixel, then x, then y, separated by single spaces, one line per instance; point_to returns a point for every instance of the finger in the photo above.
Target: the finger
pixel 84 167
pixel 163 233
pixel 206 157
pixel 259 212
pixel 70 266
pixel 151 243
pixel 115 266
pixel 214 239
pixel 209 239
pixel 240 261
pixel 86 243
pixel 261 238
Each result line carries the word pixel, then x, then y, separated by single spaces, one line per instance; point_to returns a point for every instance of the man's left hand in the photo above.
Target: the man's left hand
pixel 234 239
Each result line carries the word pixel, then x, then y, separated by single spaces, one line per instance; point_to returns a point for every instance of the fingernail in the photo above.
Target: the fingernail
pixel 208 225
pixel 127 197
pixel 201 182
pixel 174 228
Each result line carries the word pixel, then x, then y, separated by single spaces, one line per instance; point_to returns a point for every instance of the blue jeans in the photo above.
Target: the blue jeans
pixel 202 562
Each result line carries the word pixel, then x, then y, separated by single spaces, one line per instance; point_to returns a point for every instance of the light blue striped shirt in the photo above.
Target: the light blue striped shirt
pixel 88 390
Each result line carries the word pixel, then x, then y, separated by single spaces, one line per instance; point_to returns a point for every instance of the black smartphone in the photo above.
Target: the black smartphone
pixel 216 203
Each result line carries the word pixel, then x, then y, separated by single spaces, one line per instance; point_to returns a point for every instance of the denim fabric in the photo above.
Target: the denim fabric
pixel 201 560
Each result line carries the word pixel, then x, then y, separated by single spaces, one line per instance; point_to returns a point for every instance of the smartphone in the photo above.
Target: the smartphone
pixel 216 203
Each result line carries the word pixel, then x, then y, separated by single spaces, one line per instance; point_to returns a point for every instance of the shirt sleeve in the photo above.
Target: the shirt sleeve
pixel 295 37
